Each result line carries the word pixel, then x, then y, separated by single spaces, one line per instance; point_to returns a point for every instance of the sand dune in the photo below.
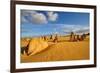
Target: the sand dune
pixel 60 51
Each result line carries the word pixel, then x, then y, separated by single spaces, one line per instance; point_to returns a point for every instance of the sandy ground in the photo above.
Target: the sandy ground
pixel 60 51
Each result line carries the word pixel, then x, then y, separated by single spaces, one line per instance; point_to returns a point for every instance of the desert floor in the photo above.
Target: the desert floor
pixel 63 50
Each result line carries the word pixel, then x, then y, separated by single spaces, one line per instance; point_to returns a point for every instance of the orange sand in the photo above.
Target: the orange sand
pixel 60 51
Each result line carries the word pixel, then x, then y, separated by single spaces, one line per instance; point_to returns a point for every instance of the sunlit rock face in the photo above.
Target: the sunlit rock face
pixel 37 45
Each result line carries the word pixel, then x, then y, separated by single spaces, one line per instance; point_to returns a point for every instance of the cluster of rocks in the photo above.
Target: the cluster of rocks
pixel 77 37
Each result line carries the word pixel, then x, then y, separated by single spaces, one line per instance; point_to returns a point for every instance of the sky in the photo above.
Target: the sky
pixel 40 23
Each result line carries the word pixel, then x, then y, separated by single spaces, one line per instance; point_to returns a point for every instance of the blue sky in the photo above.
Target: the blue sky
pixel 39 23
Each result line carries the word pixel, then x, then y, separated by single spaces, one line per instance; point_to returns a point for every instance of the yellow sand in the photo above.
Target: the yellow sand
pixel 37 45
pixel 61 51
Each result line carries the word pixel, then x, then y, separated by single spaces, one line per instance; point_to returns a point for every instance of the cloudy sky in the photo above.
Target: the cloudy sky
pixel 38 23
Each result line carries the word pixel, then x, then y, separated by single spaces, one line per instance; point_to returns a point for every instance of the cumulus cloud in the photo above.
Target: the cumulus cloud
pixel 52 16
pixel 33 17
pixel 39 18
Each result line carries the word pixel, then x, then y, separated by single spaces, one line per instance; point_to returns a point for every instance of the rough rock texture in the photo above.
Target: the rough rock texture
pixel 37 45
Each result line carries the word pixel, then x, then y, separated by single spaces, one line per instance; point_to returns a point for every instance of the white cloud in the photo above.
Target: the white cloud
pixel 68 28
pixel 78 29
pixel 33 17
pixel 52 16
pixel 82 30
pixel 39 18
pixel 27 12
pixel 23 19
